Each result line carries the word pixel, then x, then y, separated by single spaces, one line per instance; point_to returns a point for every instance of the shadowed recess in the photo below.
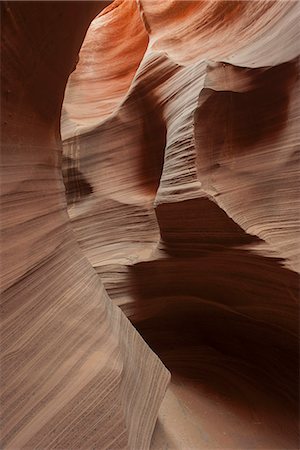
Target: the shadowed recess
pixel 245 106
pixel 76 185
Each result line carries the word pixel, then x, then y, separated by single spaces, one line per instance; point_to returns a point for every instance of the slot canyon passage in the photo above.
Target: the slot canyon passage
pixel 150 225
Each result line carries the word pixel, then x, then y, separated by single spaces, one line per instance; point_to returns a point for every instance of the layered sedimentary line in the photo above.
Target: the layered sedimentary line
pixel 180 165
pixel 252 164
pixel 111 53
pixel 242 33
pixel 194 250
pixel 74 371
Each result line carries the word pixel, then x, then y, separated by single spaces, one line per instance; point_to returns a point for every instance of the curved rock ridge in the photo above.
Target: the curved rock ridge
pixel 186 202
pixel 109 57
pixel 255 149
pixel 243 33
pixel 74 372
pixel 172 200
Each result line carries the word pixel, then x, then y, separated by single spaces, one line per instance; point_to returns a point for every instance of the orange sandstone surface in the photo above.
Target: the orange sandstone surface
pixel 150 225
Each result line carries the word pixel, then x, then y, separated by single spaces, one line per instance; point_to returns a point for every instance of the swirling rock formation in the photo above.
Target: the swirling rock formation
pixel 75 374
pixel 180 162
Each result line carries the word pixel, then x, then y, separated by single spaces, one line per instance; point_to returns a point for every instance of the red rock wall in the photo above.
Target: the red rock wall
pixel 74 372
pixel 192 217
pixel 180 162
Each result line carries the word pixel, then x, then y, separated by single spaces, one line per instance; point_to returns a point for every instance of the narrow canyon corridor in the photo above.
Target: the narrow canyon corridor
pixel 150 223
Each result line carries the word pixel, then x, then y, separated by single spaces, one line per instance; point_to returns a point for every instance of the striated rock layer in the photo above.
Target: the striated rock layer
pixel 180 128
pixel 74 372
pixel 185 199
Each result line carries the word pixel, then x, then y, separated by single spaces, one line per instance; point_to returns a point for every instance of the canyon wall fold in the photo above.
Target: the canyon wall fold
pixel 191 216
pixel 74 372
pixel 150 225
